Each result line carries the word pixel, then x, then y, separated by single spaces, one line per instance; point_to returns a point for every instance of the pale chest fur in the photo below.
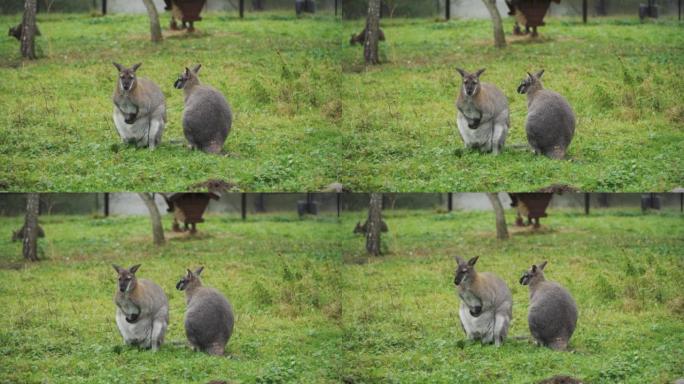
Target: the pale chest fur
pixel 126 105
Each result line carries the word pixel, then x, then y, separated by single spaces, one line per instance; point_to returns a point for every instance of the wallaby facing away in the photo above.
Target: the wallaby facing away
pixel 561 380
pixel 552 315
pixel 207 117
pixel 362 229
pixel 142 309
pixel 139 108
pixel 550 121
pixel 21 232
pixel 483 117
pixel 209 316
pixel 360 38
pixel 486 303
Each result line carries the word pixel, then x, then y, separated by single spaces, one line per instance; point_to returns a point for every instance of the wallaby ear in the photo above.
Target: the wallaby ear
pixel 458 259
pixel 542 265
pixel 136 66
pixel 479 72
pixel 539 74
pixel 134 268
pixel 187 71
pixel 534 268
pixel 198 271
pixel 196 68
pixel 462 72
pixel 189 273
pixel 530 75
pixel 118 66
pixel 117 268
pixel 472 261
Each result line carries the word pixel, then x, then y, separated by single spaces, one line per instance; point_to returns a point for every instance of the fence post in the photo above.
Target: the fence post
pixel 242 9
pixel 450 201
pixel 585 10
pixel 243 206
pixel 106 204
pixel 447 11
pixel 679 10
pixel 339 196
pixel 104 7
pixel 586 204
pixel 336 1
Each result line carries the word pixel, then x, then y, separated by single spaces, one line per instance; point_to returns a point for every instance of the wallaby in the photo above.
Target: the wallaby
pixel 550 121
pixel 139 108
pixel 486 303
pixel 552 315
pixel 142 310
pixel 207 117
pixel 209 316
pixel 483 117
pixel 16 31
pixel 362 229
pixel 21 232
pixel 361 37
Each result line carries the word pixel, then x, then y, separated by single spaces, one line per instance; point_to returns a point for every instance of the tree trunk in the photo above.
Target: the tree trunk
pixel 155 28
pixel 28 30
pixel 501 230
pixel 155 217
pixel 370 46
pixel 374 226
pixel 499 37
pixel 30 250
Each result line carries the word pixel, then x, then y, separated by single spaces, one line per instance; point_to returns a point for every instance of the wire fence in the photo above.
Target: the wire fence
pixel 328 203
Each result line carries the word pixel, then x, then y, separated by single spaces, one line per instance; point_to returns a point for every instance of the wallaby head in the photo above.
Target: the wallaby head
pixel 465 270
pixel 188 77
pixel 190 280
pixel 127 76
pixel 359 228
pixel 533 275
pixel 531 82
pixel 471 81
pixel 127 279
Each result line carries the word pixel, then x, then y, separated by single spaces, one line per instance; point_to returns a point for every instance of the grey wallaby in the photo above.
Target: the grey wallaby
pixel 21 232
pixel 209 316
pixel 483 117
pixel 142 309
pixel 139 108
pixel 550 121
pixel 552 315
pixel 360 38
pixel 16 31
pixel 362 229
pixel 486 303
pixel 207 117
pixel 561 380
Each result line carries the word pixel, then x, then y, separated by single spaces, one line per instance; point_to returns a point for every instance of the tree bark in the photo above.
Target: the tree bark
pixel 30 250
pixel 155 28
pixel 370 46
pixel 374 227
pixel 28 30
pixel 155 217
pixel 497 24
pixel 501 230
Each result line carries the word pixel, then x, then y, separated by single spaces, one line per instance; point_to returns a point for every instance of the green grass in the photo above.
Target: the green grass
pixel 280 74
pixel 623 79
pixel 311 308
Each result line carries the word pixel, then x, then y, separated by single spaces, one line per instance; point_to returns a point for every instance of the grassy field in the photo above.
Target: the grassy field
pixel 280 74
pixel 311 308
pixel 623 79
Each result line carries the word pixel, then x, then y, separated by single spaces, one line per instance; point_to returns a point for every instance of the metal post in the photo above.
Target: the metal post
pixel 242 9
pixel 106 204
pixel 585 10
pixel 243 206
pixel 680 10
pixel 681 202
pixel 336 1
pixel 339 197
pixel 104 7
pixel 447 11
pixel 450 201
pixel 586 204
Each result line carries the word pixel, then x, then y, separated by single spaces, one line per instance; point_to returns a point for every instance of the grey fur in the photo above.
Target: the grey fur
pixel 209 316
pixel 140 112
pixel 552 315
pixel 550 123
pixel 207 117
pixel 486 303
pixel 483 116
pixel 142 312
